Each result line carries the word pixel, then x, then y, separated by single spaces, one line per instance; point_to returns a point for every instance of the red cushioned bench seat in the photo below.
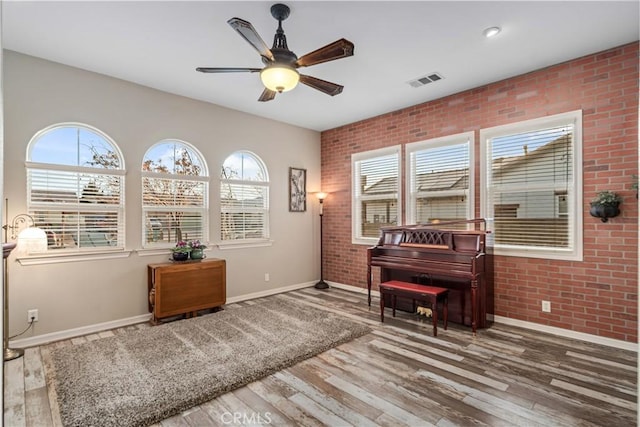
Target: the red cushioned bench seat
pixel 425 294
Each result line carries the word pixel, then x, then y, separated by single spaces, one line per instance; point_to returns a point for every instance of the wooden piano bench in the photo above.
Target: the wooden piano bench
pixel 421 293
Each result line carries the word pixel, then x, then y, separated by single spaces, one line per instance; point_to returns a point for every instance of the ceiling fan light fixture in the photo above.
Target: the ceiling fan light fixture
pixel 279 78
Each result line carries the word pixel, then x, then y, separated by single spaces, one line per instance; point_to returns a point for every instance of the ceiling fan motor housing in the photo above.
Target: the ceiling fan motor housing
pixel 282 56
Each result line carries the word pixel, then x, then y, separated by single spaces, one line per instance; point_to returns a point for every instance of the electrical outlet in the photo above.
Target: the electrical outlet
pixel 32 314
pixel 546 306
pixel 266 277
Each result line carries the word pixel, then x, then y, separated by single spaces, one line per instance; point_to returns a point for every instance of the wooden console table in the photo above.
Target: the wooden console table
pixel 185 287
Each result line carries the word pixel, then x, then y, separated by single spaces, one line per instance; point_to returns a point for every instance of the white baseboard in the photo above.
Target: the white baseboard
pixel 350 288
pixel 566 333
pixel 76 332
pixel 99 327
pixel 266 293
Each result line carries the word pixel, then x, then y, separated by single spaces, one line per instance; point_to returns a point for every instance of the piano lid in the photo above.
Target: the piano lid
pixel 459 236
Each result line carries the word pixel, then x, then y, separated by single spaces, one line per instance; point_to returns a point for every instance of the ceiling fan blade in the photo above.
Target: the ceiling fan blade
pixel 246 30
pixel 321 85
pixel 267 95
pixel 338 49
pixel 227 70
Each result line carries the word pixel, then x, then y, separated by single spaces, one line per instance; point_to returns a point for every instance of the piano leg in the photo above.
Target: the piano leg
pixel 369 285
pixel 393 305
pixel 445 310
pixel 474 307
pixel 434 315
pixel 463 305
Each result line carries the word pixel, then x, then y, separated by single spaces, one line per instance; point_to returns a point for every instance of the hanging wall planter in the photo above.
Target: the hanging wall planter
pixel 606 205
pixel 604 212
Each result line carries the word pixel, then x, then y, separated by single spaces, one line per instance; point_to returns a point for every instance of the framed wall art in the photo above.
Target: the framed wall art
pixel 297 190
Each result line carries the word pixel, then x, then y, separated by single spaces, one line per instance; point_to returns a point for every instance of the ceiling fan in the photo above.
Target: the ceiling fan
pixel 280 73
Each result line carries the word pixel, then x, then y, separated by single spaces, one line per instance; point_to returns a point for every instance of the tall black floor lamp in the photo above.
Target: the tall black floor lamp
pixel 321 284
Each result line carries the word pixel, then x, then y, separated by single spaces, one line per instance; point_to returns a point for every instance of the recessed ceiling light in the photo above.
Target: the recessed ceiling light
pixel 491 31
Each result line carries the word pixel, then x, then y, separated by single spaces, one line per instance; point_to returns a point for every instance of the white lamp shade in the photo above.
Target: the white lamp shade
pixel 279 78
pixel 32 240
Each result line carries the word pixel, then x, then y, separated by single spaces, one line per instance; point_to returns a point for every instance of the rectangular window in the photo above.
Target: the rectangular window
pixel 244 210
pixel 439 183
pixel 376 193
pixel 77 210
pixel 532 188
pixel 174 209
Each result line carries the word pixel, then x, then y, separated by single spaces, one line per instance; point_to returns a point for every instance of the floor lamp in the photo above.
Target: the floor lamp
pixel 321 284
pixel 9 353
pixel 30 239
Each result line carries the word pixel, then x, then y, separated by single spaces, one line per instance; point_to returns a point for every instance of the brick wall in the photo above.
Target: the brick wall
pixel 597 296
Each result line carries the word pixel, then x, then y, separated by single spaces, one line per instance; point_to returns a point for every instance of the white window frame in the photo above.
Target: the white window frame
pixel 250 242
pixel 203 210
pixel 356 208
pixel 77 253
pixel 416 147
pixel 575 250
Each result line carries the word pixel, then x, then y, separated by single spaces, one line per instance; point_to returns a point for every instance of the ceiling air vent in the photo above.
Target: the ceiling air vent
pixel 421 81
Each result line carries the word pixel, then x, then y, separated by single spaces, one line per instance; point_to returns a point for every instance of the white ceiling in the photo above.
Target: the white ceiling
pixel 159 44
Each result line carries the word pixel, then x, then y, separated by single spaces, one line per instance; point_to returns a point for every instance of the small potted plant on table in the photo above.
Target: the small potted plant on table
pixel 197 249
pixel 181 251
pixel 605 205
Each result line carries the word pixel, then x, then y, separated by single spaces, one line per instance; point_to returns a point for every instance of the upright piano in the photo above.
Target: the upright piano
pixel 447 254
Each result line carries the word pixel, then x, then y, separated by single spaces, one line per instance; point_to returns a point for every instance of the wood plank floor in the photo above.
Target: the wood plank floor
pixel 397 375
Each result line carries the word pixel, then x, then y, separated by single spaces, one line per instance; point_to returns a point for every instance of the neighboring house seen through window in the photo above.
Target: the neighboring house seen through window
pixel 532 188
pixel 438 179
pixel 75 188
pixel 174 194
pixel 376 193
pixel 244 199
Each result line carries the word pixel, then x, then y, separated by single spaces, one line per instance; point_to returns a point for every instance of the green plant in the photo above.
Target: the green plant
pixel 196 244
pixel 634 183
pixel 181 247
pixel 606 198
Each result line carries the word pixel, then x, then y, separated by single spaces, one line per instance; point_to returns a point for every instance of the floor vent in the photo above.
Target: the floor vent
pixel 421 81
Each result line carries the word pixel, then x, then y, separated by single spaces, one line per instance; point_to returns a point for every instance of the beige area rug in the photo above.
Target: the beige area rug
pixel 141 377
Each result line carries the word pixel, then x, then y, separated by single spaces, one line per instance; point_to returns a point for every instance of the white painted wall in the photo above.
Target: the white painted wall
pixel 38 93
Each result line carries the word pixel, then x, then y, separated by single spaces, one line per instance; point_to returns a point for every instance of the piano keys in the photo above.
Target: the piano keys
pixel 450 254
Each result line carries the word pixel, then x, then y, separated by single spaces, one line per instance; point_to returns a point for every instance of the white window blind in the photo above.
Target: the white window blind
pixel 439 172
pixel 75 188
pixel 376 193
pixel 244 198
pixel 532 190
pixel 174 194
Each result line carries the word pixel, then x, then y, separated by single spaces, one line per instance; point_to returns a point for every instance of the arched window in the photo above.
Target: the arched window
pixel 174 194
pixel 244 198
pixel 75 181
